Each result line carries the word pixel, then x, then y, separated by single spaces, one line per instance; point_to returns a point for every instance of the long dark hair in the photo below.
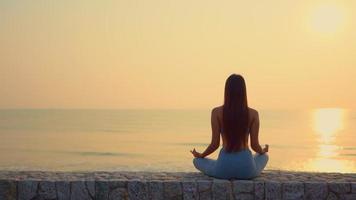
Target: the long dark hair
pixel 235 112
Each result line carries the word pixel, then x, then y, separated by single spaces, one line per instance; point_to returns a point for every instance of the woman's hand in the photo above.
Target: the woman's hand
pixel 265 150
pixel 196 154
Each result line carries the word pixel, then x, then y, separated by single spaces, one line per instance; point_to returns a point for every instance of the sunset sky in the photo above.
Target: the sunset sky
pixel 176 54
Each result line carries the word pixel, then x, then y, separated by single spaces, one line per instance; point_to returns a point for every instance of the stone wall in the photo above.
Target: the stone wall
pixel 160 185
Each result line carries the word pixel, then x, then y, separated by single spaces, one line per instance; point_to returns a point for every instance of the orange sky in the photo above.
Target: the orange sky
pixel 176 54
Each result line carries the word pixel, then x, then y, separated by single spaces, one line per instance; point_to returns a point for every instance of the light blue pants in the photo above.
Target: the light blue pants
pixel 236 165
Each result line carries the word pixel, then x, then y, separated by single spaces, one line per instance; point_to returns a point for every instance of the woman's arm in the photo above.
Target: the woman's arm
pixel 215 138
pixel 254 130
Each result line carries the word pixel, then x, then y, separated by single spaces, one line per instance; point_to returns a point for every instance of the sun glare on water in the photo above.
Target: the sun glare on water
pixel 327 18
pixel 328 122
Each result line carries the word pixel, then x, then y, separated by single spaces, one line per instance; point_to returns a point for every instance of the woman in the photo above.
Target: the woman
pixel 235 121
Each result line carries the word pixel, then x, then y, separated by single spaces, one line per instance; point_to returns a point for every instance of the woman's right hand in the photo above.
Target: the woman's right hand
pixel 265 150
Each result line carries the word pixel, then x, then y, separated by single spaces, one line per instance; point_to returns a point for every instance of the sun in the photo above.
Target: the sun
pixel 327 18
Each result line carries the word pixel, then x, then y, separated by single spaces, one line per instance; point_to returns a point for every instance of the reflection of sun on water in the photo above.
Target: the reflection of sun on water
pixel 328 122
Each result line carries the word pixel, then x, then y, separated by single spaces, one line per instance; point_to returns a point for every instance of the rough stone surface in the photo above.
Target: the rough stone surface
pixel 36 185
pixel 47 190
pixel 340 187
pixel 353 187
pixel 293 191
pixel 316 190
pixel 348 196
pixel 172 190
pixel 118 194
pixel 27 190
pixel 273 190
pixel 138 190
pixel 8 190
pixel 63 190
pixel 190 190
pixel 242 186
pixel 221 189
pixel 156 190
pixel 102 190
pixel 243 189
pixel 259 190
pixel 332 196
pixel 204 189
pixel 81 190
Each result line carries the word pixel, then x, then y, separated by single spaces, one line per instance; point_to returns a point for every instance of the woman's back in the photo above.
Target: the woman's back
pixel 253 119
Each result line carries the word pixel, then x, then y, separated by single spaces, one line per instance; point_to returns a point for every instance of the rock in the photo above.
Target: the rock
pixel 221 189
pixel 101 190
pixel 353 187
pixel 244 196
pixel 242 189
pixel 155 190
pixel 8 190
pixel 137 189
pixel 118 194
pixel 348 196
pixel 293 191
pixel 204 189
pixel 331 196
pixel 120 183
pixel 339 187
pixel 242 186
pixel 82 190
pixel 63 190
pixel 27 190
pixel 115 189
pixel 259 190
pixel 47 190
pixel 190 191
pixel 316 190
pixel 90 186
pixel 172 190
pixel 166 185
pixel 273 190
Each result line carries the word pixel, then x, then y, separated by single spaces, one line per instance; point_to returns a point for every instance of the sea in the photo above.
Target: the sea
pixel 318 140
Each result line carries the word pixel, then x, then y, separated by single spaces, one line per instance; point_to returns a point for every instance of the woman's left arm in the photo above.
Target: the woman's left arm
pixel 215 138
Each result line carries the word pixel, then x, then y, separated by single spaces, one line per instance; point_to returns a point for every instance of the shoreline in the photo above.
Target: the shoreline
pixel 271 184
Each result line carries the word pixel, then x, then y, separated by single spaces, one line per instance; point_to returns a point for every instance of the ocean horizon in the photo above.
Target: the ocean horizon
pixel 160 139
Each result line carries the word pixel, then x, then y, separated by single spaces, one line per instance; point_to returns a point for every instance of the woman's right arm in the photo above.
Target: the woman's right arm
pixel 254 130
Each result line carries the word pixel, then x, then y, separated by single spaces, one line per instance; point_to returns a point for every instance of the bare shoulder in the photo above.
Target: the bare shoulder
pixel 217 111
pixel 253 113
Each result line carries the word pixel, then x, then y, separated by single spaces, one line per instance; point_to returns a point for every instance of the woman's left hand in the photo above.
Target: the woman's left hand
pixel 196 154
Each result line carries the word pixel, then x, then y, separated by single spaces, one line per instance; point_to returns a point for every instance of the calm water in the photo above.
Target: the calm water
pixel 160 140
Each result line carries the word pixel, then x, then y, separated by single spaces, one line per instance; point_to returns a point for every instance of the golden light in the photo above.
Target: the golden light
pixel 329 165
pixel 327 18
pixel 327 122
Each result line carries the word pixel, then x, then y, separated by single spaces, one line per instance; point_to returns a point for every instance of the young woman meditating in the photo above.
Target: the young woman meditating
pixel 236 123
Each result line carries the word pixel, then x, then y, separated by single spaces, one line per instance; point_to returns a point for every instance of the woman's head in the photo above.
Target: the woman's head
pixel 235 91
pixel 235 112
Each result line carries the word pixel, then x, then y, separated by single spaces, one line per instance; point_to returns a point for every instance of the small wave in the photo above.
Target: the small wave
pixel 349 148
pixel 97 153
pixel 191 144
pixel 348 154
pixel 111 130
pixel 81 153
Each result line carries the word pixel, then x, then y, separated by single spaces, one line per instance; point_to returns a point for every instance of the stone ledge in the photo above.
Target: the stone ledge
pixel 23 185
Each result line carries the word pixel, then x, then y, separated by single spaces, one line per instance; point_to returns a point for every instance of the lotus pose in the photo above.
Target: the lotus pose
pixel 236 123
